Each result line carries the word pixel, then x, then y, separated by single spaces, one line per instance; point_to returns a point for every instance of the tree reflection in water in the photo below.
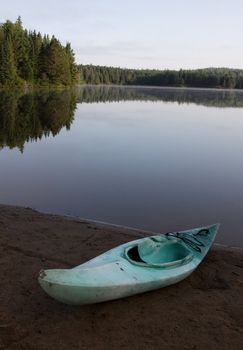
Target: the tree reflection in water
pixel 29 117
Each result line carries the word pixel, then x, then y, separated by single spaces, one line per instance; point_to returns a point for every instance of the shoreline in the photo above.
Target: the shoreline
pixel 205 311
pixel 125 228
pixel 32 89
pixel 120 228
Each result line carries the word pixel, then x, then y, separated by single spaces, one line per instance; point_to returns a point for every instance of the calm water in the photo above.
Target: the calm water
pixel 156 159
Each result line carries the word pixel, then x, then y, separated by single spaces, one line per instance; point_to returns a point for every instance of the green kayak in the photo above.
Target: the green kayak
pixel 131 268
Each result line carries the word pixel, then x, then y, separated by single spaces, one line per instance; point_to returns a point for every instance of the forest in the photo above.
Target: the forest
pixel 29 59
pixel 204 78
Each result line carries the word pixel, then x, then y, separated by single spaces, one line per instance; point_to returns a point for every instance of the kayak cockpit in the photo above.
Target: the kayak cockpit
pixel 152 252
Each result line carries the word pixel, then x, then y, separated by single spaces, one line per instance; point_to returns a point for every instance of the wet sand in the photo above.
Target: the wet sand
pixel 205 311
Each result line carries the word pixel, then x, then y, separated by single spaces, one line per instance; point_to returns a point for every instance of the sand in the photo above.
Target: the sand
pixel 205 311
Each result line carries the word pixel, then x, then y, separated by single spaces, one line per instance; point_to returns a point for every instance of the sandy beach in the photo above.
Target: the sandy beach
pixel 205 311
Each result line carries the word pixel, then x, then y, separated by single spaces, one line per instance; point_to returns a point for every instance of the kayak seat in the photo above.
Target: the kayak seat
pixel 134 254
pixel 152 253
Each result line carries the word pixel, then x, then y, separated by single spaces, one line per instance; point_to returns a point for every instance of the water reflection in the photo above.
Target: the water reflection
pixel 29 117
pixel 205 97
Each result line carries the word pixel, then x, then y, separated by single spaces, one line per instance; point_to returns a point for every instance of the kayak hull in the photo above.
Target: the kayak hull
pixel 83 294
pixel 116 274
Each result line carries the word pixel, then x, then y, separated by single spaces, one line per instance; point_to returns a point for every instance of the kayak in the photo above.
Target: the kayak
pixel 131 268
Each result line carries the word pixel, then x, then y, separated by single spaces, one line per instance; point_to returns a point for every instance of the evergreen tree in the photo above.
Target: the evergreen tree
pixel 71 61
pixel 28 58
pixel 55 63
pixel 8 74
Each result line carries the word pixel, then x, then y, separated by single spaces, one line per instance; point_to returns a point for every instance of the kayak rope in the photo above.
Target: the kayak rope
pixel 190 240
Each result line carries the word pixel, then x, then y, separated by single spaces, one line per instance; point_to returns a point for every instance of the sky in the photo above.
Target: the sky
pixel 157 34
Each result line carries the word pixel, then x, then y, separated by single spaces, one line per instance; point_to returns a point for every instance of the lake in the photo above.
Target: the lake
pixel 159 159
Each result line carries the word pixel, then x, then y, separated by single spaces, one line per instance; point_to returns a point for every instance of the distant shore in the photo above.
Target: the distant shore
pixel 205 311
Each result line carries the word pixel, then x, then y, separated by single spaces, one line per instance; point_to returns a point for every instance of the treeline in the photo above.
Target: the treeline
pixel 205 78
pixel 28 58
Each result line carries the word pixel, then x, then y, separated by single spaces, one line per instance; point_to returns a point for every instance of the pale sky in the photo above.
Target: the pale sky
pixel 158 34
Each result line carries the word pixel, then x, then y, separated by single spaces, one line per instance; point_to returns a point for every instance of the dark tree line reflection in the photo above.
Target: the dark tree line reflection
pixel 31 116
pixel 209 98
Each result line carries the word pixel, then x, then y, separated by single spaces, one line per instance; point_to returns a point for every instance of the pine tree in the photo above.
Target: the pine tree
pixel 55 63
pixel 72 66
pixel 8 74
